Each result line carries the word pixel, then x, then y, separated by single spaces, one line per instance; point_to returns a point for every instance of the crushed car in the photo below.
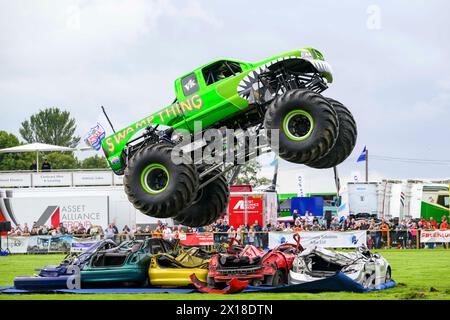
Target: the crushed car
pixel 167 270
pixel 103 264
pixel 362 266
pixel 259 267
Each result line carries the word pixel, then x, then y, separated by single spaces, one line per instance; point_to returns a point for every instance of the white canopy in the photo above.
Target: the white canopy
pixel 36 147
pixel 33 147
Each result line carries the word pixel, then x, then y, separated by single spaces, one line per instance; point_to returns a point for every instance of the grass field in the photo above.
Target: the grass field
pixel 420 274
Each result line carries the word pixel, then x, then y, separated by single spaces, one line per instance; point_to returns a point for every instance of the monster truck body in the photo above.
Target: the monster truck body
pixel 282 93
pixel 214 103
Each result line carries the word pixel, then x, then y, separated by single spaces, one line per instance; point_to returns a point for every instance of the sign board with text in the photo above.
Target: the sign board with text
pixel 52 179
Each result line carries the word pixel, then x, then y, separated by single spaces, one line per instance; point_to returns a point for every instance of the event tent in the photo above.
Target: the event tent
pixel 36 147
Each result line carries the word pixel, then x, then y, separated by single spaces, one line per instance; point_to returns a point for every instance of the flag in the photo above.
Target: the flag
pixel 362 156
pixel 97 133
pixel 402 198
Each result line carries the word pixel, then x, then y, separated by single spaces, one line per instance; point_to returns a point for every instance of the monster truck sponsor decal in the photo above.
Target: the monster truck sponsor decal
pixel 191 104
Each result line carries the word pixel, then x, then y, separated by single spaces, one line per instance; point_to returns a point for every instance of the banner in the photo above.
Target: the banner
pixel 15 179
pixel 82 244
pixel 325 239
pixel 69 210
pixel 46 244
pixel 193 239
pixel 15 244
pixel 435 236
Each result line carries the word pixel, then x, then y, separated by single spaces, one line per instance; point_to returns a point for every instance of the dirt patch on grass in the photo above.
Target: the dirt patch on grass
pixel 413 295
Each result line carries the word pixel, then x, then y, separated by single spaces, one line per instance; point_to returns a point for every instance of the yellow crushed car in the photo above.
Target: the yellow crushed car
pixel 168 271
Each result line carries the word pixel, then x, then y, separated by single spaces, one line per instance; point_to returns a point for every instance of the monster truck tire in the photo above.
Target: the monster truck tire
pixel 157 186
pixel 345 141
pixel 210 203
pixel 307 124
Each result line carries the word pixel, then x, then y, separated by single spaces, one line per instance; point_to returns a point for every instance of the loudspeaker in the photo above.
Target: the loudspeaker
pixel 5 226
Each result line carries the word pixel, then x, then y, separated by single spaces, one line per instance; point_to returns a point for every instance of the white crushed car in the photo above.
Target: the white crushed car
pixel 362 266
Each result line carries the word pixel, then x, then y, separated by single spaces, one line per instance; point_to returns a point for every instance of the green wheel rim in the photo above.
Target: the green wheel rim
pixel 298 125
pixel 155 178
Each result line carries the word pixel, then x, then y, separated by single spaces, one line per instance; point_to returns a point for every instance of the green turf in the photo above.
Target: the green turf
pixel 420 274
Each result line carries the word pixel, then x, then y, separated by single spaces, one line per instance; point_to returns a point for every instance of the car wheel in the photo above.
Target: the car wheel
pixel 277 279
pixel 388 276
pixel 256 283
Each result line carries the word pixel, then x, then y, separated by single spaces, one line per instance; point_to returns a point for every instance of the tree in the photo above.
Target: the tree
pixel 13 161
pixel 52 126
pixel 248 175
pixel 59 160
pixel 94 162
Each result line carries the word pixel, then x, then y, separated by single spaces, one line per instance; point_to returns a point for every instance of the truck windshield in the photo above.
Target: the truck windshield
pixel 220 70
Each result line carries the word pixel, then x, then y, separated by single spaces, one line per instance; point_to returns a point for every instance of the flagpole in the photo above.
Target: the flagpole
pixel 367 165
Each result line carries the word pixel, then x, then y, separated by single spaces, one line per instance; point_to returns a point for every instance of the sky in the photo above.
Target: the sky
pixel 390 63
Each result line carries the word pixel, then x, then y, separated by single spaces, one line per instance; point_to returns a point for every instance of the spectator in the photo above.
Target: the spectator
pixel 384 228
pixel 375 234
pixel 115 229
pixel 43 230
pixel 297 227
pixel 288 228
pixel 33 166
pixel 62 229
pixel 231 233
pixel 167 233
pixel 179 232
pixel 444 223
pixel 251 236
pixel 156 234
pixel 109 232
pixel 257 227
pixel 423 224
pixel 26 231
pixel 433 224
pixel 413 232
pixel 46 166
pixel 81 230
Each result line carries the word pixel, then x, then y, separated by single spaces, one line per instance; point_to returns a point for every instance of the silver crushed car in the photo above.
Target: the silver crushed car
pixel 316 263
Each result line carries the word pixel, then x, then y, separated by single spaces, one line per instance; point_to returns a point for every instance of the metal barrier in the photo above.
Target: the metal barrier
pixel 404 239
pixel 375 239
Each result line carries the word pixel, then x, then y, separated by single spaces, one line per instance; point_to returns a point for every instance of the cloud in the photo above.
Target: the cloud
pixel 125 55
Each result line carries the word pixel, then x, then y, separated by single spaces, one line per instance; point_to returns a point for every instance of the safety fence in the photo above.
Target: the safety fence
pixel 405 239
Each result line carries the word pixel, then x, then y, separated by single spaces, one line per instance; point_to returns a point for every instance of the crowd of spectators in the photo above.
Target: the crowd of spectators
pixel 401 233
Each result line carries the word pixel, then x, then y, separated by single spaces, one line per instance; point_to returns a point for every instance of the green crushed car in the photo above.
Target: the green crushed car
pixel 282 92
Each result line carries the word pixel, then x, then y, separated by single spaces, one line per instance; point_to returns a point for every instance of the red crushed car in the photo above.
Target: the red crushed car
pixel 259 267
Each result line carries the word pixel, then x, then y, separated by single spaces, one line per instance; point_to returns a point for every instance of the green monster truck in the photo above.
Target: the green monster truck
pixel 282 92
